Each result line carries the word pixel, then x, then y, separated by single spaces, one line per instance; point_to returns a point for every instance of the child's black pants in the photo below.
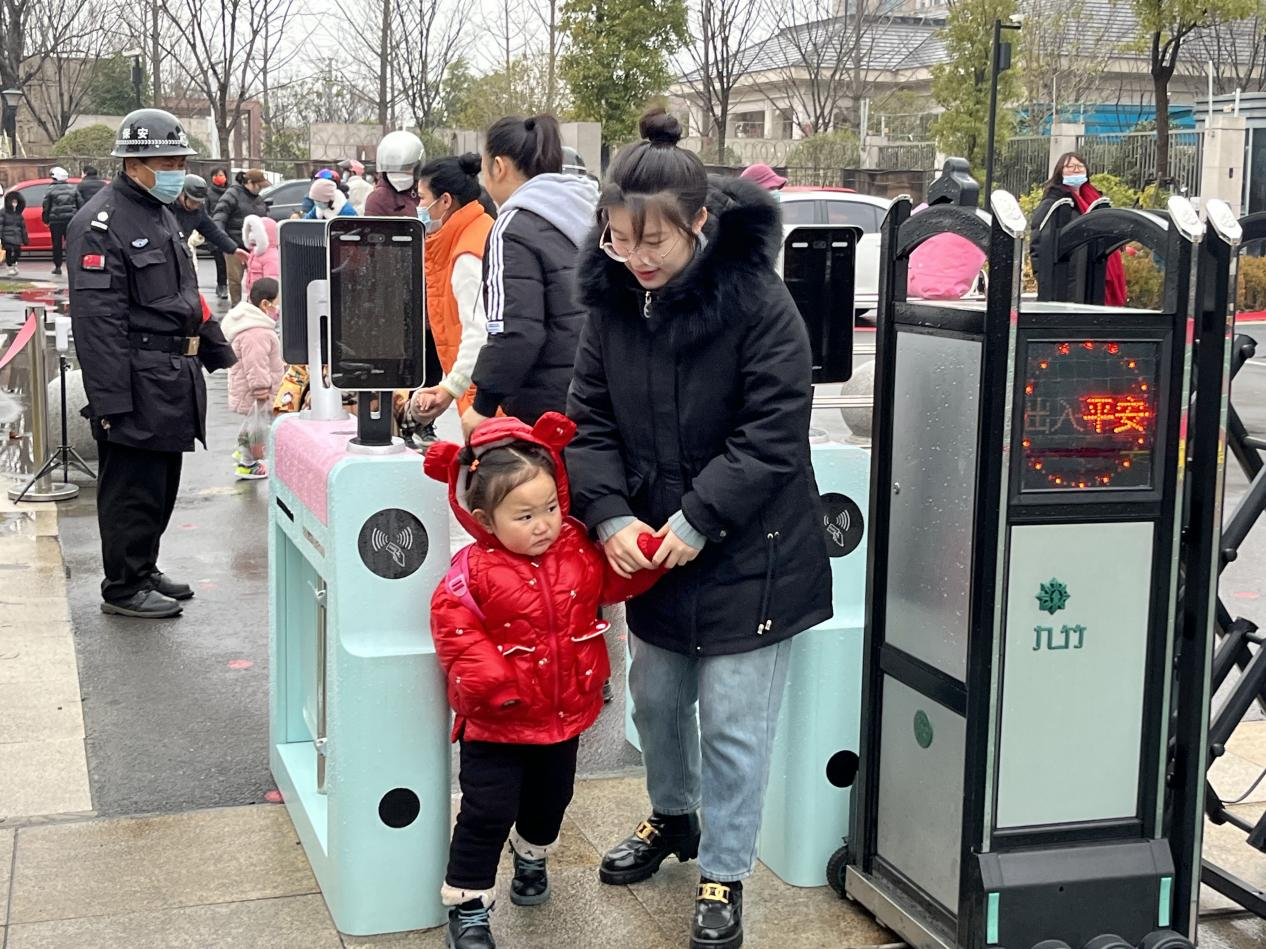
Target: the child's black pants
pixel 505 786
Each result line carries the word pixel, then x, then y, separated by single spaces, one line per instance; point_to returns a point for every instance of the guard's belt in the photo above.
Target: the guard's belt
pixel 180 345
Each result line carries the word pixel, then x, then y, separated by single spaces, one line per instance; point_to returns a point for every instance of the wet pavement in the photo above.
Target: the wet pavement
pixel 174 716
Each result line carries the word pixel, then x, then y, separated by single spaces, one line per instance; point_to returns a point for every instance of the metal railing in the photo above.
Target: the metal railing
pixel 919 156
pixel 1132 157
pixel 1022 163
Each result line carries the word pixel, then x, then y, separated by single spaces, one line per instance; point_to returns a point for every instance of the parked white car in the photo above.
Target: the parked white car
pixel 840 206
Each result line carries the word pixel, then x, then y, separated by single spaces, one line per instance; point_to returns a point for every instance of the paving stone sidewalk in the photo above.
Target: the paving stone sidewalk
pixel 237 877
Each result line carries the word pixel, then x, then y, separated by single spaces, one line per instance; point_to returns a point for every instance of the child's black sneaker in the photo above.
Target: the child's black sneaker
pixel 530 886
pixel 470 926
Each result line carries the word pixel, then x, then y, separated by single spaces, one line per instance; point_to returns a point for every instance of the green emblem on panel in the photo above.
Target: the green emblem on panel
pixel 1052 596
pixel 922 729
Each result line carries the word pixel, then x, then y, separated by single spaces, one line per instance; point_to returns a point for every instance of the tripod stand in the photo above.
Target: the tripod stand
pixel 63 456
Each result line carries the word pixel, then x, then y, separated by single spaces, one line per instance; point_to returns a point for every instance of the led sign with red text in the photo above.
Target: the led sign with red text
pixel 1089 414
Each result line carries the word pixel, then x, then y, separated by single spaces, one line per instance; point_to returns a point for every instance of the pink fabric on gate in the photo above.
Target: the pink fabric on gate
pixel 304 453
pixel 944 267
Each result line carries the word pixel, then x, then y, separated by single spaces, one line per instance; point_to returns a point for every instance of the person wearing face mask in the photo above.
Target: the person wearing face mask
pixel 1070 178
pixel 328 201
pixel 216 186
pixel 400 156
pixel 239 201
pixel 357 187
pixel 457 232
pixel 142 345
pixel 692 394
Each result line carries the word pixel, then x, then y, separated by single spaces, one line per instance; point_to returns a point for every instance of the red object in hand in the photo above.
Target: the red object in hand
pixel 649 545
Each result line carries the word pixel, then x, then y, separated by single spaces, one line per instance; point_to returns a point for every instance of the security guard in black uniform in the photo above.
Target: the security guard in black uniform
pixel 142 344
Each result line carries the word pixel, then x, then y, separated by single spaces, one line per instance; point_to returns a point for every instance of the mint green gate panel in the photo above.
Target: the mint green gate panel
pixel 357 544
pixel 806 817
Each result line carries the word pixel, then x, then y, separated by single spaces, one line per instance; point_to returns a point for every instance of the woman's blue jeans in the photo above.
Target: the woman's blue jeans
pixel 707 727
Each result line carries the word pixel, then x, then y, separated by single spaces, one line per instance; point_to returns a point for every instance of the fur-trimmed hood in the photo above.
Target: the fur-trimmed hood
pixel 743 236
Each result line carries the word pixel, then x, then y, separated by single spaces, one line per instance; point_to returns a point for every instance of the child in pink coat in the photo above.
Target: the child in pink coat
pixel 259 234
pixel 250 327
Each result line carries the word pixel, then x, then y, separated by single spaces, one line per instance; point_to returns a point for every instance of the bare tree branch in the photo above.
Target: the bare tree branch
pixel 726 33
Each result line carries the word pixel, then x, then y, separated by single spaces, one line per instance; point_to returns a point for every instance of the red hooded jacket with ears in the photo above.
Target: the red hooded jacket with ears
pixel 539 644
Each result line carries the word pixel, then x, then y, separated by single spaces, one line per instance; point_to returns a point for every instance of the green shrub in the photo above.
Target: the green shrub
pixel 1252 289
pixel 93 141
pixel 1144 279
pixel 838 149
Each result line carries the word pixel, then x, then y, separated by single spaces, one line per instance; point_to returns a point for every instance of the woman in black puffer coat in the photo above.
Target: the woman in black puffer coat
pixel 13 234
pixel 692 393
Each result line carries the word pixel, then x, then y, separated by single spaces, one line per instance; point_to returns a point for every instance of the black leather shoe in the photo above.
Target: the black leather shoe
pixel 469 926
pixel 222 292
pixel 718 916
pixel 169 587
pixel 655 840
pixel 147 604
pixel 530 886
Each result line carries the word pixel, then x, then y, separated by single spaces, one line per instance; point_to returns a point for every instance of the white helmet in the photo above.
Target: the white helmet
pixel 59 173
pixel 400 158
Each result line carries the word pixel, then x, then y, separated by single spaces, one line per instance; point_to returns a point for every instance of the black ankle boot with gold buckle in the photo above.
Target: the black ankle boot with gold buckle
pixel 718 916
pixel 657 838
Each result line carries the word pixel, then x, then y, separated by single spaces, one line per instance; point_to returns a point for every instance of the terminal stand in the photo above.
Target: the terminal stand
pixel 358 541
pixel 1025 496
pixel 359 717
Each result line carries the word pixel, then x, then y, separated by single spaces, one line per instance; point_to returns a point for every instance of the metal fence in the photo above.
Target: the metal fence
pixel 909 126
pixel 1022 163
pixel 917 155
pixel 1132 157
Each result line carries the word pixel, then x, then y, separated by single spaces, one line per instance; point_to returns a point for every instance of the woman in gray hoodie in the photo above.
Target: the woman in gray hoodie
pixel 534 321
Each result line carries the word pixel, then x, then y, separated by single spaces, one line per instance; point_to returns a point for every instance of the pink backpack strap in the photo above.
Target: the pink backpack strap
pixel 458 581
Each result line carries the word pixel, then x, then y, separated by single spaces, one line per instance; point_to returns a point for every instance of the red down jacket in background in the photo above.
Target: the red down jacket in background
pixel 539 643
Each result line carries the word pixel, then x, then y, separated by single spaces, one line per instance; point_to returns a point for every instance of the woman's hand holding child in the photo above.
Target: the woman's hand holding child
pixel 625 554
pixel 673 552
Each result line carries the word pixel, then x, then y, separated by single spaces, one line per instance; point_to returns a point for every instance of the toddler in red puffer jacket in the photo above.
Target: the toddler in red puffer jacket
pixel 516 630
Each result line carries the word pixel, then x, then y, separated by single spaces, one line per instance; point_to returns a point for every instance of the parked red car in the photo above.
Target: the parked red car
pixel 33 192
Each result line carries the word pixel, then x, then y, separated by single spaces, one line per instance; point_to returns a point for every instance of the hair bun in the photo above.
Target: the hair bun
pixel 660 128
pixel 530 124
pixel 470 163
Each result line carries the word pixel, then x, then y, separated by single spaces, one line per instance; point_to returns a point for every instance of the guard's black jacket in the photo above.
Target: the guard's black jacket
pixel 696 397
pixel 132 291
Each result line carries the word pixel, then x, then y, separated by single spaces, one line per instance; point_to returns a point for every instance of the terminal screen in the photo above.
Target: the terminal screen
pixel 376 290
pixel 1090 414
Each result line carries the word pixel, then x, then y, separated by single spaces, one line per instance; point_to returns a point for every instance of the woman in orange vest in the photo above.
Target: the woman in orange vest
pixel 457 233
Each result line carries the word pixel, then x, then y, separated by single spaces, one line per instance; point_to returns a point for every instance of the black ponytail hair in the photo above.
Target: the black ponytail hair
pixel 657 173
pixel 455 175
pixel 500 470
pixel 534 146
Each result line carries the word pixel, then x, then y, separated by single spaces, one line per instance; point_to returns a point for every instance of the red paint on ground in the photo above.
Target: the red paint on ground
pixel 273 797
pixel 1247 595
pixel 240 663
